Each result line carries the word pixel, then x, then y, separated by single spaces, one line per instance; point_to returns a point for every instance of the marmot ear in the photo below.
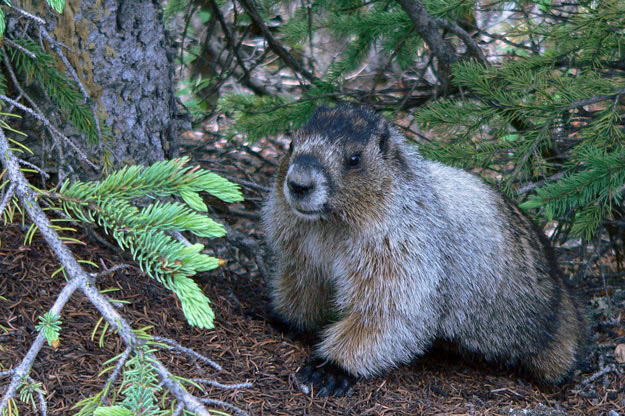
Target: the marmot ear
pixel 384 139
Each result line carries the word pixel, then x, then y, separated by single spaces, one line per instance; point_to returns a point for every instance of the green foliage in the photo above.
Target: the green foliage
pixel 140 386
pixel 383 23
pixel 50 324
pixel 591 190
pixel 11 408
pixel 57 5
pixel 536 116
pixel 262 116
pixel 366 26
pixel 172 8
pixel 193 89
pixel 145 232
pixel 2 23
pixel 3 19
pixel 27 390
pixel 112 411
pixel 552 112
pixel 63 90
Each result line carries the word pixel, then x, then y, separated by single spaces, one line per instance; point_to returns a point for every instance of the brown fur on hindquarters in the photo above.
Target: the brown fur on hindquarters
pixel 383 252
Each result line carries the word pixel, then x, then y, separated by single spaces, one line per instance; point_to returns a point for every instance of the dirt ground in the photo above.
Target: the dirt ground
pixel 249 349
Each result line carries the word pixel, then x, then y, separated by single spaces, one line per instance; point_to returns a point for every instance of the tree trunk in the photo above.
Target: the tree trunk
pixel 121 53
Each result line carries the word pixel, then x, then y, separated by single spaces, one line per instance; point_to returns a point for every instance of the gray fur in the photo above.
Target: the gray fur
pixel 418 251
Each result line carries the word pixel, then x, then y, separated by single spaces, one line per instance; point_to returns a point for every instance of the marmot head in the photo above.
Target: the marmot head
pixel 340 164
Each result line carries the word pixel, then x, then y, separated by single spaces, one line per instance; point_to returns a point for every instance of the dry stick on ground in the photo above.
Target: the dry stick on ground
pixel 79 279
pixel 605 370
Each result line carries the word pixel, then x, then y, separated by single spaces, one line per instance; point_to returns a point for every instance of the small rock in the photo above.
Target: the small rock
pixel 619 354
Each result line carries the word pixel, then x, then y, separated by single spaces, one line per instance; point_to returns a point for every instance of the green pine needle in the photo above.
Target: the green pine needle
pixel 50 324
pixel 57 5
pixel 63 91
pixel 144 231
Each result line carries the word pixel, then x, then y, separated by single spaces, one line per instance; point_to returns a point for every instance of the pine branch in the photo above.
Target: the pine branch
pixel 37 113
pixel 589 189
pixel 63 91
pixel 78 280
pixel 429 29
pixel 595 99
pixel 145 232
pixel 54 44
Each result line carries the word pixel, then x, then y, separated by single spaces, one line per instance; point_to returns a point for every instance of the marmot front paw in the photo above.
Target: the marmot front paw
pixel 327 378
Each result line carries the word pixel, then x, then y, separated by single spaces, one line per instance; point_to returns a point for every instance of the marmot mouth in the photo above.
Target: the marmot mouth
pixel 309 215
pixel 301 211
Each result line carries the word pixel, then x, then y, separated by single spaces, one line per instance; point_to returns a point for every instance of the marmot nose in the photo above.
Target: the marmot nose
pixel 300 190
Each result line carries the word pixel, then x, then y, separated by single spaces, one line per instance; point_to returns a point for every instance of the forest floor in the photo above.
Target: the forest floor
pixel 249 349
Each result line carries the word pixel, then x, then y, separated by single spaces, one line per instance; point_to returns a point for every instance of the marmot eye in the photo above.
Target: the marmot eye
pixel 291 147
pixel 353 161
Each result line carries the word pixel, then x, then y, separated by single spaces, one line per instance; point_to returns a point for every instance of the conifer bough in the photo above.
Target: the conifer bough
pixel 145 231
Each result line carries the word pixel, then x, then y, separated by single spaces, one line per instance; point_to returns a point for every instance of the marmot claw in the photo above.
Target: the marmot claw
pixel 327 378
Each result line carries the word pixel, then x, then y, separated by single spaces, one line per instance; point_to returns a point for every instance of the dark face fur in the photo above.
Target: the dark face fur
pixel 336 165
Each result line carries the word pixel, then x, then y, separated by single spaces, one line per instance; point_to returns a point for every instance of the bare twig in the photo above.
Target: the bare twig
pixel 414 86
pixel 33 166
pixel 118 368
pixel 605 370
pixel 25 365
pixel 20 47
pixel 111 270
pixel 223 386
pixel 257 155
pixel 174 345
pixel 498 37
pixel 178 409
pixel 28 15
pixel 247 184
pixel 595 99
pixel 472 46
pixel 178 236
pixel 36 112
pixel 258 89
pixel 43 405
pixel 226 405
pixel 39 116
pixel 274 44
pixel 7 197
pixel 531 186
pixel 17 85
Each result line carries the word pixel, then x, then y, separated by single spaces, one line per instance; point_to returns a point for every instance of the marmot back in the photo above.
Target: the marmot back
pixel 382 252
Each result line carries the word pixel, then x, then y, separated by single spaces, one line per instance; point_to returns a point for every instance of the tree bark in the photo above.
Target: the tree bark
pixel 121 53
